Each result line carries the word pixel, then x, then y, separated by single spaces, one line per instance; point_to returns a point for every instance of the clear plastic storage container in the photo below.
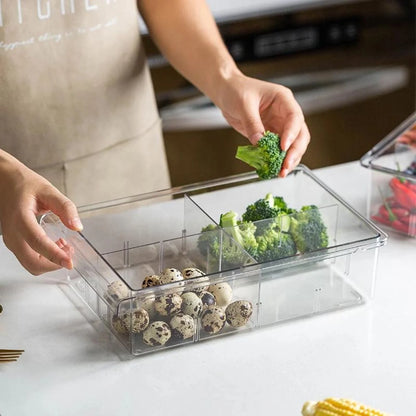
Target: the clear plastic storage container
pixel 392 193
pixel 129 241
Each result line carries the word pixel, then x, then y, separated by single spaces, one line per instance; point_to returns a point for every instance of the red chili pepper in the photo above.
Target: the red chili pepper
pixel 403 194
pixel 396 224
pixel 392 202
pixel 382 212
pixel 397 211
pixel 400 212
pixel 409 220
pixel 412 186
pixel 380 219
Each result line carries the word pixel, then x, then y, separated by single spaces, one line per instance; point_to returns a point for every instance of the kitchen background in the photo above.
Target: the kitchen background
pixel 350 64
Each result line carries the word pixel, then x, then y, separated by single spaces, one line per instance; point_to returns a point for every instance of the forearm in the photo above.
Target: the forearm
pixel 187 35
pixel 9 167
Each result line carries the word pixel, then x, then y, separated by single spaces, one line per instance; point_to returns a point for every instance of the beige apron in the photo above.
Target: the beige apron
pixel 76 99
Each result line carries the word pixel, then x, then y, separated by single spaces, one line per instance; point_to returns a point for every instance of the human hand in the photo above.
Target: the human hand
pixel 24 195
pixel 252 106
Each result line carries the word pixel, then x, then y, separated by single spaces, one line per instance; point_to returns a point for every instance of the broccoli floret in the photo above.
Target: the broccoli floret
pixel 248 233
pixel 308 229
pixel 242 232
pixel 228 252
pixel 268 207
pixel 262 209
pixel 233 256
pixel 266 157
pixel 208 241
pixel 274 245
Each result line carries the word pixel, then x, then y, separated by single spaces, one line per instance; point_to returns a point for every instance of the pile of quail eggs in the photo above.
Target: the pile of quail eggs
pixel 175 316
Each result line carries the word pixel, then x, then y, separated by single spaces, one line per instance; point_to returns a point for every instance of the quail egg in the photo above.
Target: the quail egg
pixel 168 304
pixel 152 280
pixel 148 304
pixel 222 292
pixel 239 312
pixel 117 290
pixel 182 326
pixel 157 333
pixel 213 319
pixel 191 304
pixel 191 272
pixel 136 321
pixel 208 299
pixel 171 275
pixel 118 325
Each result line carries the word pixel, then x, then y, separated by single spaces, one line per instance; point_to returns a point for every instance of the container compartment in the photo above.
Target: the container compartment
pixel 125 241
pixel 392 186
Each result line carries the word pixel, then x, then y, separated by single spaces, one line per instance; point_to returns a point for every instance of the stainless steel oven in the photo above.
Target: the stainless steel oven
pixel 351 65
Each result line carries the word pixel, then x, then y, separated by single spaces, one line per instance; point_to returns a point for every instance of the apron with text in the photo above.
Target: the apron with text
pixel 76 98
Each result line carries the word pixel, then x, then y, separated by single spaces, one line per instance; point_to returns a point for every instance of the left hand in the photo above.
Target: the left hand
pixel 252 106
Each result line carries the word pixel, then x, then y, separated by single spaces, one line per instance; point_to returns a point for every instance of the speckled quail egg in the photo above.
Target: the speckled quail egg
pixel 148 304
pixel 208 299
pixel 118 325
pixel 222 292
pixel 117 290
pixel 157 333
pixel 170 275
pixel 213 319
pixel 191 304
pixel 152 280
pixel 182 326
pixel 168 304
pixel 238 313
pixel 193 272
pixel 136 321
pixel 190 272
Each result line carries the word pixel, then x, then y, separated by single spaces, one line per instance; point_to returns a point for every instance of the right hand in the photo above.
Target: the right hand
pixel 24 195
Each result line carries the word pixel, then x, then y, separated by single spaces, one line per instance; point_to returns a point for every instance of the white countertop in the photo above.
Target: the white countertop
pixel 71 367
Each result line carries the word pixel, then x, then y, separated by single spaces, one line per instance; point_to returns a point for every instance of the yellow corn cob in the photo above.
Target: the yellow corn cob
pixel 338 407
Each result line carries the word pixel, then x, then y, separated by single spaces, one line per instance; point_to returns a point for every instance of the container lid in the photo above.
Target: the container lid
pixel 396 153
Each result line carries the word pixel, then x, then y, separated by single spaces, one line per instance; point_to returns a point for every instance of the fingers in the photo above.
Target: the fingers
pixel 251 120
pixel 64 208
pixel 294 121
pixel 33 261
pixel 36 238
pixel 296 151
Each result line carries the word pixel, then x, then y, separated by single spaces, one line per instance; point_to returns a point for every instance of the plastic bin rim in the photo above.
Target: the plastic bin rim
pixel 367 160
pixel 234 179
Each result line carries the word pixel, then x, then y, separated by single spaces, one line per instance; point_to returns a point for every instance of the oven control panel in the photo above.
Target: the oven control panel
pixel 290 40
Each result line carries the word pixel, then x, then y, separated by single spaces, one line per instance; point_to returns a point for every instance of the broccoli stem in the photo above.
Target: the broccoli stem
pixel 229 220
pixel 251 155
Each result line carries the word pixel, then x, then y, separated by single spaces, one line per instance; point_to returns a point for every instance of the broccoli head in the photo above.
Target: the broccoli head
pixel 208 240
pixel 308 229
pixel 274 244
pixel 242 232
pixel 268 207
pixel 266 157
pixel 226 252
pixel 248 234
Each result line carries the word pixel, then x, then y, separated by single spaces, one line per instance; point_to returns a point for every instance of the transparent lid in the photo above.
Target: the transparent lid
pixel 396 153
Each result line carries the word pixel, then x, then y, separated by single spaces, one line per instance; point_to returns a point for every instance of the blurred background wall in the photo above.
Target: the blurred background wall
pixel 350 64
